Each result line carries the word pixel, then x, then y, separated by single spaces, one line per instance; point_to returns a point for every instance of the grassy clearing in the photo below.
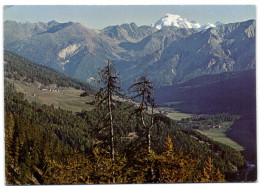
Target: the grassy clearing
pixel 178 116
pixel 169 112
pixel 67 98
pixel 219 134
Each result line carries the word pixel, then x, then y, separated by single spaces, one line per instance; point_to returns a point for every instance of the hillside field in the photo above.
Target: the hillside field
pixel 67 98
pixel 220 135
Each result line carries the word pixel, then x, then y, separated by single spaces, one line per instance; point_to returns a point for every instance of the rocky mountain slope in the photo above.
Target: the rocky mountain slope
pixel 171 54
pixel 222 49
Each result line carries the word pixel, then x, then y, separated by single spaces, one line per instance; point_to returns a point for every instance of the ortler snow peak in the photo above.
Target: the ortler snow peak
pixel 180 22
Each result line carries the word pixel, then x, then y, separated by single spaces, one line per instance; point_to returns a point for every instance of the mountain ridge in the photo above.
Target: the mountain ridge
pixel 171 54
pixel 232 92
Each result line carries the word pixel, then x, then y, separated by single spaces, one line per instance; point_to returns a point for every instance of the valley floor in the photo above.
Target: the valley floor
pixel 220 135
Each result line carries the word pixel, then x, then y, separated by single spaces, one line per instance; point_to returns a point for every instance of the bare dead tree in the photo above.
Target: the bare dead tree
pixel 142 89
pixel 110 86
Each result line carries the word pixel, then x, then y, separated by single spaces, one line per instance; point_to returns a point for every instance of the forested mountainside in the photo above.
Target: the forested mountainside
pixel 233 92
pixel 171 54
pixel 48 145
pixel 19 68
pixel 42 141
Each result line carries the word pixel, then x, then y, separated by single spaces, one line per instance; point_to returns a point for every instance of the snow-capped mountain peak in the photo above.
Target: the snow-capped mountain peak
pixel 175 20
pixel 195 25
pixel 180 22
pixel 210 25
pixel 218 23
pixel 207 26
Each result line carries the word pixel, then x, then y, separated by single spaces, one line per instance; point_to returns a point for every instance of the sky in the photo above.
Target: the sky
pixel 99 17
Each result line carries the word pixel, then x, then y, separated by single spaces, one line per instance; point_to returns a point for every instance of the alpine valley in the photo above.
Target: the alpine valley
pixel 204 79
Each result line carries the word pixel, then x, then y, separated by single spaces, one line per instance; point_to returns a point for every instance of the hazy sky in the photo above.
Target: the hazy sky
pixel 98 17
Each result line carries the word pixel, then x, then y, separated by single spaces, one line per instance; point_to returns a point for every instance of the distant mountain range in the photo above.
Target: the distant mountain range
pixel 171 55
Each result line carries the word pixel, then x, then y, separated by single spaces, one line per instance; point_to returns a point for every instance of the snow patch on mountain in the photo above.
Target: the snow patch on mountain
pixel 62 64
pixel 173 72
pixel 68 51
pixel 91 79
pixel 207 26
pixel 195 25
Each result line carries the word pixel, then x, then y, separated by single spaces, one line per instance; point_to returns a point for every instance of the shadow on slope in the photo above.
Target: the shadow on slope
pixel 232 92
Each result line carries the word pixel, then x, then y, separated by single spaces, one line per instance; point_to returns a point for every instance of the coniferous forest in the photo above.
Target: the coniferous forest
pixel 116 142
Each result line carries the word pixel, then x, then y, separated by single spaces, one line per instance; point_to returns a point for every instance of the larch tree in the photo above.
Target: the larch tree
pixel 110 86
pixel 142 89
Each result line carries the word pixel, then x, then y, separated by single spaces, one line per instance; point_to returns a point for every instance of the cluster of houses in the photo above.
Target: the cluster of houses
pixel 51 89
pixel 197 126
pixel 214 127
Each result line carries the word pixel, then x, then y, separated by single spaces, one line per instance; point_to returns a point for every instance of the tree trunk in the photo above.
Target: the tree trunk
pixel 111 121
pixel 142 119
pixel 112 140
pixel 149 131
pixel 111 131
pixel 149 140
